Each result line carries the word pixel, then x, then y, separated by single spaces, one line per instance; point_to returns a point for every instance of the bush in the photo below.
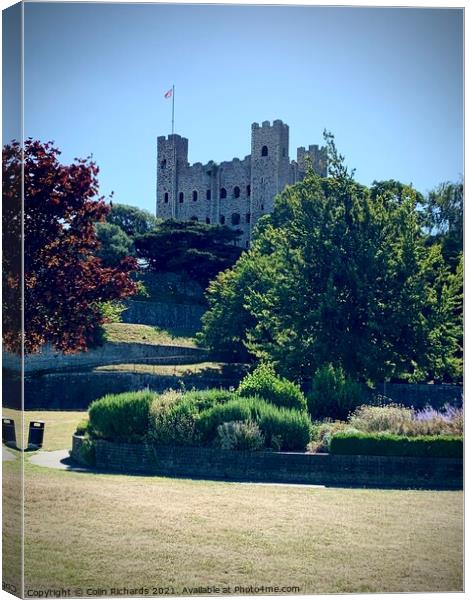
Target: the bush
pixel 82 427
pixel 86 454
pixel 205 399
pixel 405 421
pixel 333 394
pixel 264 382
pixel 121 417
pixel 283 428
pixel 239 435
pixel 172 420
pixel 389 444
pixel 322 433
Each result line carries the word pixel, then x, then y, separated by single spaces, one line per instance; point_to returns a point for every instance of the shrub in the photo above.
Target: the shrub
pixel 86 454
pixel 172 420
pixel 392 418
pixel 121 417
pixel 333 394
pixel 322 433
pixel 404 421
pixel 82 427
pixel 239 435
pixel 389 444
pixel 283 428
pixel 264 382
pixel 207 398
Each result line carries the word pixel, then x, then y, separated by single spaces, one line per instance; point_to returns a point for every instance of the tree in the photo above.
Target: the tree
pixel 196 249
pixel 443 217
pixel 132 220
pixel 115 245
pixel 64 282
pixel 337 277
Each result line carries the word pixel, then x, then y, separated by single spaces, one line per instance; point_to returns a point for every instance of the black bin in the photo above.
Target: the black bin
pixel 8 432
pixel 36 434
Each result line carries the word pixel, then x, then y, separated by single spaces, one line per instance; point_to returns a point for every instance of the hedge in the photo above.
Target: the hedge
pixel 389 444
pixel 265 384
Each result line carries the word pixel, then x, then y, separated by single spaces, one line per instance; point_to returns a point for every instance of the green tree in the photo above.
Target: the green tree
pixel 336 276
pixel 132 220
pixel 198 250
pixel 114 244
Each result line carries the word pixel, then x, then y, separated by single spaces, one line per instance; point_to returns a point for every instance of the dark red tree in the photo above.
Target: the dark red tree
pixel 64 282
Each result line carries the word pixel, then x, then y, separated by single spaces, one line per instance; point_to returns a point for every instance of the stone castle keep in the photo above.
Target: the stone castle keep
pixel 237 192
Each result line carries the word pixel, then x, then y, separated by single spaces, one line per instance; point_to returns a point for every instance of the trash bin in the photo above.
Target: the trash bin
pixel 36 434
pixel 8 432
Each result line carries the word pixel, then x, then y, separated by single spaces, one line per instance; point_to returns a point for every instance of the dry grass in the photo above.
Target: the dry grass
pixel 216 369
pixel 144 334
pixel 103 531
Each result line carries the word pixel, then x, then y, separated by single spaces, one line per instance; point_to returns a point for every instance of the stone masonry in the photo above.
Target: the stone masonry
pixel 234 193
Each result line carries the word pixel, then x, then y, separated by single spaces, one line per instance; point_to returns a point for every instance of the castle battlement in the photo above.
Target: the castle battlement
pixel 236 192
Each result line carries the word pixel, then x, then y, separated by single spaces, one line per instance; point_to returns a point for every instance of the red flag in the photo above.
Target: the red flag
pixel 169 93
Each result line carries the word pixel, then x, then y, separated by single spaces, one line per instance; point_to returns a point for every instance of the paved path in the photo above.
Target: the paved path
pixel 7 454
pixel 58 459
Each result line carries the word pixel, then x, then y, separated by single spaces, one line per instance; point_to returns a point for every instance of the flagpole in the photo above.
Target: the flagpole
pixel 173 109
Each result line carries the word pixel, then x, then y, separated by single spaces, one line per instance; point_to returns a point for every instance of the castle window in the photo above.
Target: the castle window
pixel 194 195
pixel 248 190
pixel 223 193
pixel 262 207
pixel 247 244
pixel 236 192
pixel 181 197
pixel 163 164
pixel 194 218
pixel 208 221
pixel 165 198
pixel 248 217
pixel 283 152
pixel 222 220
pixel 264 151
pixel 235 219
pixel 208 195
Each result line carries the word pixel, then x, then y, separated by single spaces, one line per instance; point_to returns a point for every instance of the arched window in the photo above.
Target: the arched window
pixel 248 217
pixel 264 151
pixel 236 192
pixel 262 207
pixel 235 219
pixel 248 190
pixel 223 193
pixel 181 197
pixel 165 198
pixel 194 196
pixel 208 195
pixel 247 244
pixel 163 164
pixel 194 218
pixel 208 221
pixel 222 220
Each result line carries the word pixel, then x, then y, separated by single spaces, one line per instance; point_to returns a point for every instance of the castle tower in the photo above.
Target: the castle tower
pixel 316 156
pixel 270 167
pixel 172 157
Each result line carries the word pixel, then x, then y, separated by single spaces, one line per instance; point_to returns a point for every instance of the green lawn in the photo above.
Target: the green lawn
pixel 145 334
pixel 103 531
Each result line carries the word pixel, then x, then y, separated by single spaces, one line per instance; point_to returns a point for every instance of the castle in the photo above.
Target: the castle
pixel 237 192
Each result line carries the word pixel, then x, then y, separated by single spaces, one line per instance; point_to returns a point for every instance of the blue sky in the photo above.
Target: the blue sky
pixel 387 82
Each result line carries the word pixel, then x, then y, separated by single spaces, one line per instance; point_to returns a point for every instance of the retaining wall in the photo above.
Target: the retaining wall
pixel 49 360
pixel 282 467
pixel 185 317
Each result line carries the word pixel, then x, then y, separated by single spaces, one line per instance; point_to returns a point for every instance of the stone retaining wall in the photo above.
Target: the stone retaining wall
pixel 49 360
pixel 184 317
pixel 282 467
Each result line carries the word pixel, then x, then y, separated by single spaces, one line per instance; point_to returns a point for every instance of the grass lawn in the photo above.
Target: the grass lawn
pixel 103 531
pixel 145 334
pixel 205 369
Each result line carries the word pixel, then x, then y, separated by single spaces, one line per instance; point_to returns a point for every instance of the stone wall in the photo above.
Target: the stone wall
pixel 184 317
pixel 419 395
pixel 318 469
pixel 75 390
pixel 49 360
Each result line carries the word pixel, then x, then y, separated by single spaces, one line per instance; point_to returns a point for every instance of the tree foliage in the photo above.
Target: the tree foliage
pixel 336 276
pixel 64 282
pixel 115 245
pixel 199 250
pixel 132 220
